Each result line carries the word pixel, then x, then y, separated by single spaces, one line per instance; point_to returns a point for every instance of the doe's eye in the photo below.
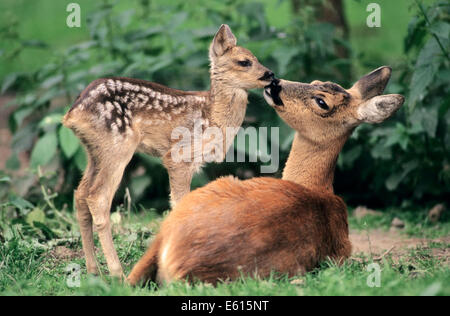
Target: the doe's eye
pixel 245 63
pixel 321 103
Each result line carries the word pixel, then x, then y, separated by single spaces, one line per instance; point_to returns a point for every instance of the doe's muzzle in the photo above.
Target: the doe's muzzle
pixel 273 91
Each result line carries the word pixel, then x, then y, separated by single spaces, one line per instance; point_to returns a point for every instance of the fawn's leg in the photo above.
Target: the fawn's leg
pixel 180 177
pixel 85 220
pixel 110 165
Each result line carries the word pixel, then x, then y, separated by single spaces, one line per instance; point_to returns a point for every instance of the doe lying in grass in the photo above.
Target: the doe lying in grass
pixel 289 225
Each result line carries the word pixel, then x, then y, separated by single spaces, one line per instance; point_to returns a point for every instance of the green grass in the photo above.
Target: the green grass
pixel 28 268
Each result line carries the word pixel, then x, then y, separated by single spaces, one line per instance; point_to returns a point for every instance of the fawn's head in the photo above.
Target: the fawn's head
pixel 324 111
pixel 236 66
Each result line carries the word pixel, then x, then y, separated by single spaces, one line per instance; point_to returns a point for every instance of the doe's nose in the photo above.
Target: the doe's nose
pixel 268 76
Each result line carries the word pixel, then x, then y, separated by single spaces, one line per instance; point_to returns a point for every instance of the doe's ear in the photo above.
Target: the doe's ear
pixel 379 108
pixel 223 41
pixel 374 83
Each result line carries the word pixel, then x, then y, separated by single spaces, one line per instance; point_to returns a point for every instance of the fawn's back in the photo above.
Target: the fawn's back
pixel 119 107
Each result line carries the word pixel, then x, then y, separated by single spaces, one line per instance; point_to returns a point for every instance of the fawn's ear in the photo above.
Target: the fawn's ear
pixel 379 108
pixel 374 83
pixel 223 41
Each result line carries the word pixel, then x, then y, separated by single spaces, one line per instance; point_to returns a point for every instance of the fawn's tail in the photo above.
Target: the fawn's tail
pixel 147 267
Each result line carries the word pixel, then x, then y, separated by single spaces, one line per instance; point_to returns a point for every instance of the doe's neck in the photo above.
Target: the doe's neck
pixel 311 164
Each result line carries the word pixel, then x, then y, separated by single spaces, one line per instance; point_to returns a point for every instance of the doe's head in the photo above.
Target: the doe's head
pixel 236 66
pixel 323 111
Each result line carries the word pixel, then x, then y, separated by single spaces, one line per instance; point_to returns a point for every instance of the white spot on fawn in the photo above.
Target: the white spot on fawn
pixel 103 90
pixel 109 107
pixel 119 85
pixel 127 86
pixel 114 127
pixel 118 108
pixel 111 85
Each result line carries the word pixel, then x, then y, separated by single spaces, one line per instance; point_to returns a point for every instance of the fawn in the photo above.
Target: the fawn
pixel 232 227
pixel 115 117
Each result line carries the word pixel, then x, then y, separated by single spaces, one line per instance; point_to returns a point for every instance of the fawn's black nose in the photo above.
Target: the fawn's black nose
pixel 268 76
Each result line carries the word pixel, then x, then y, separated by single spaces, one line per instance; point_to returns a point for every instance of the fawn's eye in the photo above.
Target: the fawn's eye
pixel 244 63
pixel 321 103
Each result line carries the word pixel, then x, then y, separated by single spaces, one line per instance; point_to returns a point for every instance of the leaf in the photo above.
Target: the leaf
pixel 284 55
pixel 51 119
pixel 421 79
pixel 441 29
pixel 143 34
pixel 52 81
pixel 416 33
pixel 430 121
pixel 5 179
pixel 21 203
pixel 36 215
pixel 424 120
pixel 8 82
pixel 426 68
pixel 44 150
pixel 21 114
pixel 80 159
pixel 23 139
pixel 393 181
pixel 396 178
pixel 398 137
pixel 68 141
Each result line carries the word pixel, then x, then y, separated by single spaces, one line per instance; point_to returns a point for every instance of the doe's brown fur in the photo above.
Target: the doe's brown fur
pixel 289 225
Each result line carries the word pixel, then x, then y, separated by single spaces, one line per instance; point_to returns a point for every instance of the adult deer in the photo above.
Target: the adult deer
pixel 232 227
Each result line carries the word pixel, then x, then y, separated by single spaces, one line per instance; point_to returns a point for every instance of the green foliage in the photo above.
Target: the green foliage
pixel 405 159
pixel 171 49
pixel 68 141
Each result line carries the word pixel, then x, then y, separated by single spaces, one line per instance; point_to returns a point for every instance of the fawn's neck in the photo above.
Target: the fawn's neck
pixel 311 164
pixel 228 104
